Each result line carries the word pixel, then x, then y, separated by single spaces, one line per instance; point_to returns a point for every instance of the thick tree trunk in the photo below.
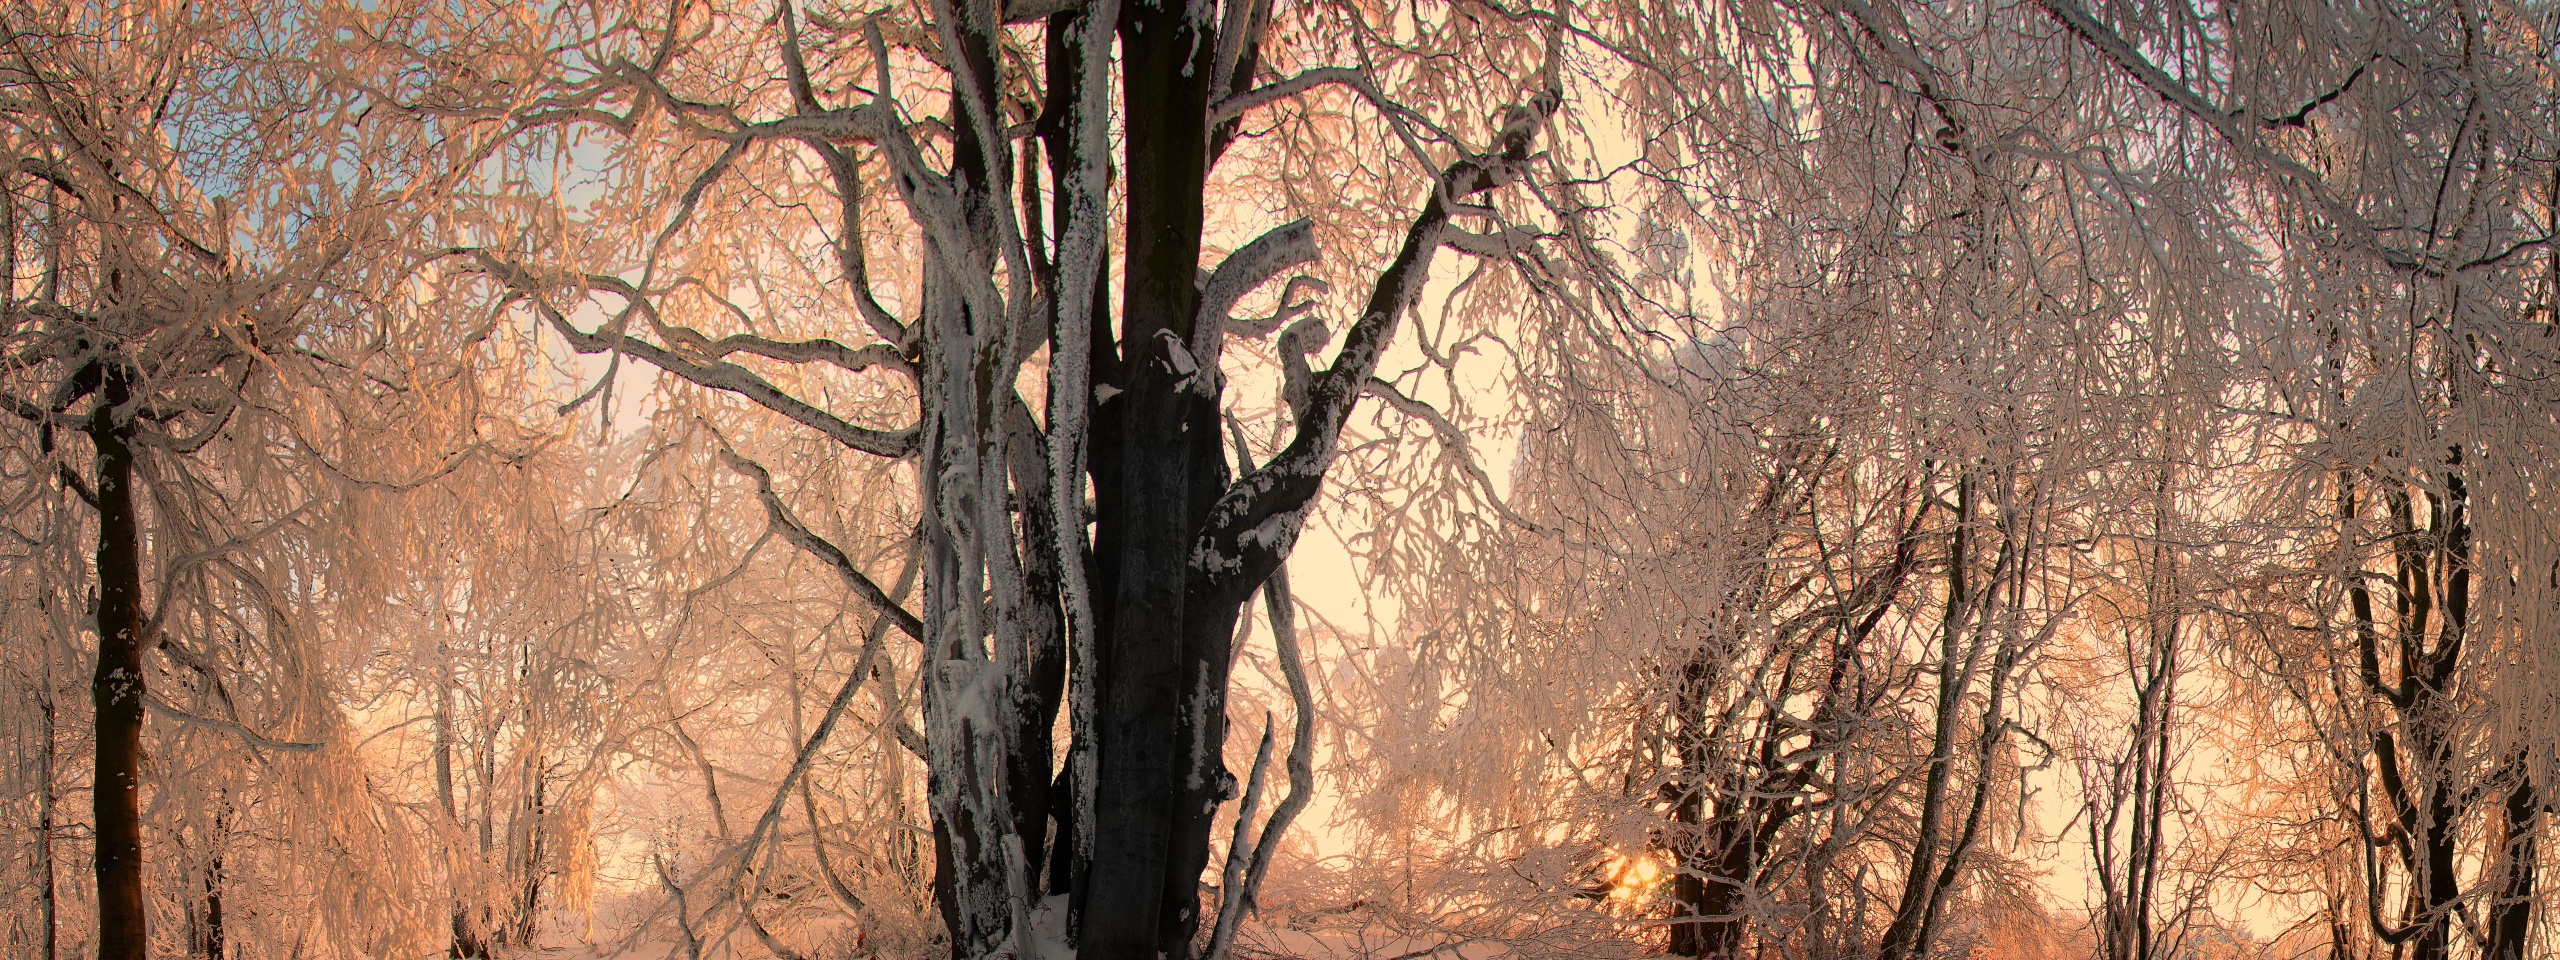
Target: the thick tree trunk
pixel 1704 894
pixel 1702 924
pixel 1143 898
pixel 117 687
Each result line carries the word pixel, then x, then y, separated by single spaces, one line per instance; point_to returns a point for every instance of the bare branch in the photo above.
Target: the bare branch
pixel 817 546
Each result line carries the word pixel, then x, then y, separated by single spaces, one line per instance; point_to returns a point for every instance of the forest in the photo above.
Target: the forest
pixel 1260 479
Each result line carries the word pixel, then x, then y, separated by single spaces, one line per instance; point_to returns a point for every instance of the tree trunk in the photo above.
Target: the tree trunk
pixel 2511 917
pixel 465 943
pixel 1909 934
pixel 48 901
pixel 210 937
pixel 1702 921
pixel 117 687
pixel 530 873
pixel 1162 473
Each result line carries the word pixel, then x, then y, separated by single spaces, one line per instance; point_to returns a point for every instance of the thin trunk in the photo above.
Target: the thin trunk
pixel 530 875
pixel 117 687
pixel 488 753
pixel 48 900
pixel 211 938
pixel 1907 936
pixel 465 942
pixel 2511 917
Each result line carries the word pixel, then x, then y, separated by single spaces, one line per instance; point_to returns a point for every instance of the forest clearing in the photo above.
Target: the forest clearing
pixel 1256 479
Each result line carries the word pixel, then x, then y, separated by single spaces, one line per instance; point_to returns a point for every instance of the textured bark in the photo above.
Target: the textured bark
pixel 117 688
pixel 530 848
pixel 1135 908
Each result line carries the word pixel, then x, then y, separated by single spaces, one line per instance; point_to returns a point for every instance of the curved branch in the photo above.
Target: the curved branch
pixel 1256 521
pixel 849 359
pixel 1285 246
pixel 715 374
pixel 1455 439
pixel 1239 104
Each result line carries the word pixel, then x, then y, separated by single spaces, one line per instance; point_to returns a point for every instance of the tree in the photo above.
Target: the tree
pixel 182 240
pixel 993 275
pixel 2426 262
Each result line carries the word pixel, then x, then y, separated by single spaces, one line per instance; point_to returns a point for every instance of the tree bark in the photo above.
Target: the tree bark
pixel 48 899
pixel 117 687
pixel 210 936
pixel 1138 904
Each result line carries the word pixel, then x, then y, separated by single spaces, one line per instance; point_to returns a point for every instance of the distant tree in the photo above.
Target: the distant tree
pixel 2402 164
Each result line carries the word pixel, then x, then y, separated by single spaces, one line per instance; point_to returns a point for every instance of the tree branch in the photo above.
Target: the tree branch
pixel 1257 520
pixel 834 556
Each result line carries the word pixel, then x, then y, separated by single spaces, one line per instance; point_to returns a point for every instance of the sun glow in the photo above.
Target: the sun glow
pixel 1632 878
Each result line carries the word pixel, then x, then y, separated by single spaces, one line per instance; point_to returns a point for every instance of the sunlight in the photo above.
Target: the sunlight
pixel 1632 878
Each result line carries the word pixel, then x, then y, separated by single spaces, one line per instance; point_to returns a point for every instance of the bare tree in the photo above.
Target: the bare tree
pixel 995 275
pixel 183 247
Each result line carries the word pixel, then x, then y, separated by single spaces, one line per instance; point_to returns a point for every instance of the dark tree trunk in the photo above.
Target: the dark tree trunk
pixel 2416 769
pixel 1032 770
pixel 48 900
pixel 2511 918
pixel 210 940
pixel 2441 888
pixel 117 687
pixel 1705 891
pixel 1702 923
pixel 1140 902
pixel 1914 915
